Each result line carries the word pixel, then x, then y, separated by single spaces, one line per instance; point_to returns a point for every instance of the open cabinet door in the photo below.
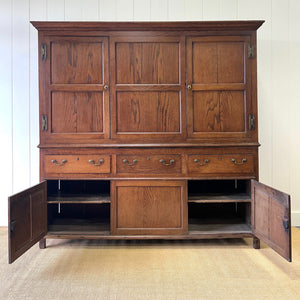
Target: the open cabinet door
pixel 27 219
pixel 271 218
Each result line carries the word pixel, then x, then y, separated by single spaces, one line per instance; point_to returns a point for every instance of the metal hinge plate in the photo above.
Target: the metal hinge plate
pixel 251 122
pixel 44 123
pixel 250 51
pixel 43 51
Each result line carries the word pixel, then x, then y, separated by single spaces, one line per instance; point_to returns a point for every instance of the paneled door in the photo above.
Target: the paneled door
pixel 271 218
pixel 148 207
pixel 27 220
pixel 219 88
pixel 74 89
pixel 147 88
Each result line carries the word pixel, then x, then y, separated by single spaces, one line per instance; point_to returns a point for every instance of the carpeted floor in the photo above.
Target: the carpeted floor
pixel 213 269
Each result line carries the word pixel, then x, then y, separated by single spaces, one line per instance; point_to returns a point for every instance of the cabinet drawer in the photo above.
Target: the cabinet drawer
pixel 78 164
pixel 149 164
pixel 221 164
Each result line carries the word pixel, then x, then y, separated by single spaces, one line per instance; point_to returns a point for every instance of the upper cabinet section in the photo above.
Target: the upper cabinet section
pixel 144 82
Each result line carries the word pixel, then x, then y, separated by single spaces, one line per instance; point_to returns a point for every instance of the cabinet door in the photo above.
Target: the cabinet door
pixel 147 88
pixel 271 221
pixel 74 90
pixel 149 207
pixel 220 94
pixel 27 219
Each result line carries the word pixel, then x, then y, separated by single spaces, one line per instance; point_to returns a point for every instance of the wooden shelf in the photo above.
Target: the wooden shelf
pixel 79 226
pixel 197 226
pixel 219 198
pixel 100 199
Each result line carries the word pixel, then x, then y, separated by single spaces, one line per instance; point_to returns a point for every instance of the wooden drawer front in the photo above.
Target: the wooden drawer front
pixel 149 207
pixel 149 164
pixel 77 164
pixel 221 164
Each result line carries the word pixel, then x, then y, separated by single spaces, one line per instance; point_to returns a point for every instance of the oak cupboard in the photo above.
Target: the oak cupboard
pixel 148 130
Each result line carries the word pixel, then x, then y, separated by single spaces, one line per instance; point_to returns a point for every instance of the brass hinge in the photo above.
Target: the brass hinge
pixel 250 51
pixel 44 51
pixel 251 122
pixel 44 123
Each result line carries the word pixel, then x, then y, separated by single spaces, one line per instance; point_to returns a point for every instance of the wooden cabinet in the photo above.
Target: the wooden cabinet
pixel 148 130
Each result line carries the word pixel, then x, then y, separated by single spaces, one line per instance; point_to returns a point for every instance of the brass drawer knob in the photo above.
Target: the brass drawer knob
pixel 205 161
pixel 239 163
pixel 125 161
pixel 100 162
pixel 55 162
pixel 106 87
pixel 189 86
pixel 171 162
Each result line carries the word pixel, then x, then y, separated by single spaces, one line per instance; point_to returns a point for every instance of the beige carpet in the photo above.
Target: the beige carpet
pixel 222 269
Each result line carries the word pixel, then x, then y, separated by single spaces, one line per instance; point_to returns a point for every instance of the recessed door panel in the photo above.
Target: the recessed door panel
pixel 147 63
pixel 141 112
pixel 76 61
pixel 218 62
pixel 218 111
pixel 77 112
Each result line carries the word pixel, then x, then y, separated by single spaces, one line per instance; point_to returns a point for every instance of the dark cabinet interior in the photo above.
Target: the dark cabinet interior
pixel 219 206
pixel 78 206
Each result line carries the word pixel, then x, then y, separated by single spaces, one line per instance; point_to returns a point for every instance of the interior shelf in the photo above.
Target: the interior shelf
pixel 97 199
pixel 197 226
pixel 219 198
pixel 79 226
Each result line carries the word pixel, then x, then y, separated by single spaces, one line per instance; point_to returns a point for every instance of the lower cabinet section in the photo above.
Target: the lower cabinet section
pixel 149 207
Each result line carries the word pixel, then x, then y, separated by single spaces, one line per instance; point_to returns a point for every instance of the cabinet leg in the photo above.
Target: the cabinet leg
pixel 256 243
pixel 42 243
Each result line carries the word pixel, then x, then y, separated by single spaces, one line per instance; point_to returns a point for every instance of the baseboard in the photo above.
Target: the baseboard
pixel 296 218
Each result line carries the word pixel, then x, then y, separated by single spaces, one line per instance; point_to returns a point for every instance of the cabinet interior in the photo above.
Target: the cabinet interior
pixel 219 206
pixel 78 206
pixel 83 206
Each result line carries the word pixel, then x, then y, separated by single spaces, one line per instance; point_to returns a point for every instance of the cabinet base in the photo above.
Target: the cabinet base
pixel 201 236
pixel 256 243
pixel 42 243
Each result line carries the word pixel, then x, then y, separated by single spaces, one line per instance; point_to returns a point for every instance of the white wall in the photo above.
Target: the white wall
pixel 278 78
